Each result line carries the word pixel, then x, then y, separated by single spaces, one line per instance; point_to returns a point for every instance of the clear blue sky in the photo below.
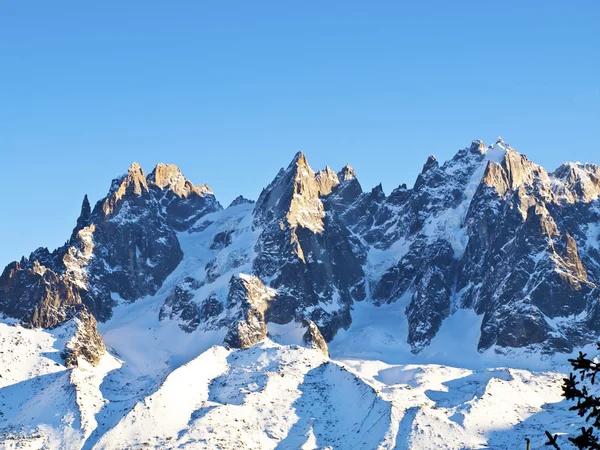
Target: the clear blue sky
pixel 229 91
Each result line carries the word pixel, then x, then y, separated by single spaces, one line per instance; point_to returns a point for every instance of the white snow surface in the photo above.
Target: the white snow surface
pixel 272 396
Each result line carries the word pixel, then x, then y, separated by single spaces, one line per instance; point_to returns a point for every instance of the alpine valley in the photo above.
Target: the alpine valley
pixel 321 315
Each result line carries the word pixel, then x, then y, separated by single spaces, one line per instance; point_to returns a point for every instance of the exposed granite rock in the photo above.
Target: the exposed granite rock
pixel 313 260
pixel 221 240
pixel 519 269
pixel 247 302
pixel 313 337
pixel 37 295
pixel 210 308
pixel 579 182
pixel 85 215
pixel 85 342
pixel 132 183
pixel 180 305
pixel 183 203
pixel 492 231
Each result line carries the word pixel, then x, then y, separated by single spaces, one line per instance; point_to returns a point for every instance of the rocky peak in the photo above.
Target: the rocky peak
pixel 84 341
pixel 86 210
pixel 240 200
pixel 577 182
pixel 313 337
pixel 347 191
pixel 292 198
pixel 377 192
pixel 327 180
pixel 42 255
pixel 133 182
pixel 507 170
pixel 296 191
pixel 299 160
pixel 431 163
pixel 346 174
pixel 477 146
pixel 84 216
pixel 568 172
pixel 169 176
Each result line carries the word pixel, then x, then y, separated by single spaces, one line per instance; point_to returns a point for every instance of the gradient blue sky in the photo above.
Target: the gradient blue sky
pixel 229 91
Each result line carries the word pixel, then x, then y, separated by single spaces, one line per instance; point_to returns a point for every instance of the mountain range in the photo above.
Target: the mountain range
pixel 320 315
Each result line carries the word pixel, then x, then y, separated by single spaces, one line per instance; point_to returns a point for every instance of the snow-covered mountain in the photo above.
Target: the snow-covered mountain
pixel 319 316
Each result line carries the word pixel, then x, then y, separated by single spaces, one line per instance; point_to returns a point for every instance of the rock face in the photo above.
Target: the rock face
pixel 315 263
pixel 182 202
pixel 488 230
pixel 127 245
pixel 313 337
pixel 180 305
pixel 85 342
pixel 492 231
pixel 247 302
pixel 37 295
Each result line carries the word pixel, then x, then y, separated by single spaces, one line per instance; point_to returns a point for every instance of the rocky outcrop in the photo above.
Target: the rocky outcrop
pixel 247 301
pixel 180 305
pixel 127 245
pixel 313 337
pixel 36 295
pixel 521 268
pixel 85 342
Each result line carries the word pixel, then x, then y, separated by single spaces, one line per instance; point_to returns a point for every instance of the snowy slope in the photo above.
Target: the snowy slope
pixel 271 396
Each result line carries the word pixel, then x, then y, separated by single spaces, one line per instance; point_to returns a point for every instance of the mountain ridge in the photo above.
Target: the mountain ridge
pixel 433 218
pixel 487 262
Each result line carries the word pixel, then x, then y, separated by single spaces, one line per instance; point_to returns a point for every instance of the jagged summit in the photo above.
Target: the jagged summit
pixel 477 146
pixel 431 163
pixel 169 176
pixel 577 182
pixel 299 160
pixel 183 201
pixel 293 196
pixel 133 182
pixel 86 210
pixel 240 200
pixel 347 173
pixel 135 179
